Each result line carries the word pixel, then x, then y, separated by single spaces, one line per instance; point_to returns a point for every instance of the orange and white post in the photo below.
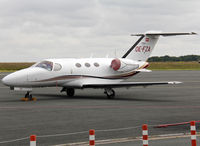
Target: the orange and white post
pixel 145 135
pixel 33 140
pixel 193 133
pixel 92 137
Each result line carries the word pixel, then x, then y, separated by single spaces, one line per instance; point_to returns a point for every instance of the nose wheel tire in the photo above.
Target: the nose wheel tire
pixel 110 93
pixel 28 97
pixel 70 92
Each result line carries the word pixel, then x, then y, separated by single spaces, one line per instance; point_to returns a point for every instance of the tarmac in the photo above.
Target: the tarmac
pixel 58 119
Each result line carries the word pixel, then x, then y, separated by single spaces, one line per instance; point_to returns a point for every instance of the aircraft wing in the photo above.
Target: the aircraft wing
pixel 126 84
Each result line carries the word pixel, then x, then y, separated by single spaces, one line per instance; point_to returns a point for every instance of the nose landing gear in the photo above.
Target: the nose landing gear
pixel 28 97
pixel 71 91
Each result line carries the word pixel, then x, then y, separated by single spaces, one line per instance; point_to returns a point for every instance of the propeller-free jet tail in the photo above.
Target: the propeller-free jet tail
pixel 106 73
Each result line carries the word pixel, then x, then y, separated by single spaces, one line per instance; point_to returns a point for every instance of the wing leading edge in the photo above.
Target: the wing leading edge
pixel 127 84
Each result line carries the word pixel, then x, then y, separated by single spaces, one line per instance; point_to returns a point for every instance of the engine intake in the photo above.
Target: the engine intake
pixel 115 64
pixel 123 65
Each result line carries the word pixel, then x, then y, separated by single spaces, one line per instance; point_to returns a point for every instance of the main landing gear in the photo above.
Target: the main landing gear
pixel 70 91
pixel 110 93
pixel 28 97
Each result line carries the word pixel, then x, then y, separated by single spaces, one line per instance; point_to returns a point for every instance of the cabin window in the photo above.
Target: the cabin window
pixel 57 67
pixel 87 64
pixel 96 64
pixel 48 65
pixel 78 65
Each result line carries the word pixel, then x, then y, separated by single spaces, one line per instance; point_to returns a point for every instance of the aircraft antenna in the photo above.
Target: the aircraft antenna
pixel 115 53
pixel 91 55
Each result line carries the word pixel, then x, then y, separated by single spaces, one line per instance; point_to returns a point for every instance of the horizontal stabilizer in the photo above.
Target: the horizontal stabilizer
pixel 164 33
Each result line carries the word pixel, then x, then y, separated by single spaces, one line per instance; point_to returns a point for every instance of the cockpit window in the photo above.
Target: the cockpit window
pixel 46 65
pixel 57 67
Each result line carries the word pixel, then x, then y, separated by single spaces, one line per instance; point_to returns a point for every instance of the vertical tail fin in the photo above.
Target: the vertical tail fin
pixel 142 49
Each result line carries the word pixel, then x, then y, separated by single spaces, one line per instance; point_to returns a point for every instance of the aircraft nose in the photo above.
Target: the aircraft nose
pixel 4 80
pixel 7 80
pixel 17 78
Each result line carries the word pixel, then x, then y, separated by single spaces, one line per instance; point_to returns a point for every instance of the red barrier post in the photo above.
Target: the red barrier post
pixel 92 137
pixel 193 133
pixel 33 140
pixel 145 134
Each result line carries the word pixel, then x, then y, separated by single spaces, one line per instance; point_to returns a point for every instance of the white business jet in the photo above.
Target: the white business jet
pixel 105 73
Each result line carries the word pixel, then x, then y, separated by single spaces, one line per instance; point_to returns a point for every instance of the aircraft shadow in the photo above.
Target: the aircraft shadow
pixel 103 97
pixel 135 97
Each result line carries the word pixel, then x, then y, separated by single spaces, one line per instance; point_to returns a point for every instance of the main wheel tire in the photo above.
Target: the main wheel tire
pixel 110 93
pixel 70 92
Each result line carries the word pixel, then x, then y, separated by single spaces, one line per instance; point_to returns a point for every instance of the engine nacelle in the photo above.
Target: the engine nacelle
pixel 123 65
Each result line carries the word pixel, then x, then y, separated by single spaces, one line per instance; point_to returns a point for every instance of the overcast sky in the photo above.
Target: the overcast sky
pixel 32 30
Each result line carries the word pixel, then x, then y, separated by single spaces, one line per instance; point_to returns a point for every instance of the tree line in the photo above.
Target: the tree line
pixel 173 59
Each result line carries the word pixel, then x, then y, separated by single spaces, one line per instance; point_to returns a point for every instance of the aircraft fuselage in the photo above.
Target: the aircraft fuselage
pixel 65 71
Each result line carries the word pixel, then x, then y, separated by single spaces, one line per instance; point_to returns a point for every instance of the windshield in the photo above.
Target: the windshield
pixel 46 65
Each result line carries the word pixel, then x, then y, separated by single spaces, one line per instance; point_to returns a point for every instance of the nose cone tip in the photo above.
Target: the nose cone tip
pixel 4 81
pixel 17 78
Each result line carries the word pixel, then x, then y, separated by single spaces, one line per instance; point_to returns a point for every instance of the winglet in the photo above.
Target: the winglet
pixel 194 33
pixel 144 70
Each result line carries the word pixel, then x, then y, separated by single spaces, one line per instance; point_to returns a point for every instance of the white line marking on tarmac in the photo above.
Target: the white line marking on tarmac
pixel 176 134
pixel 14 140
